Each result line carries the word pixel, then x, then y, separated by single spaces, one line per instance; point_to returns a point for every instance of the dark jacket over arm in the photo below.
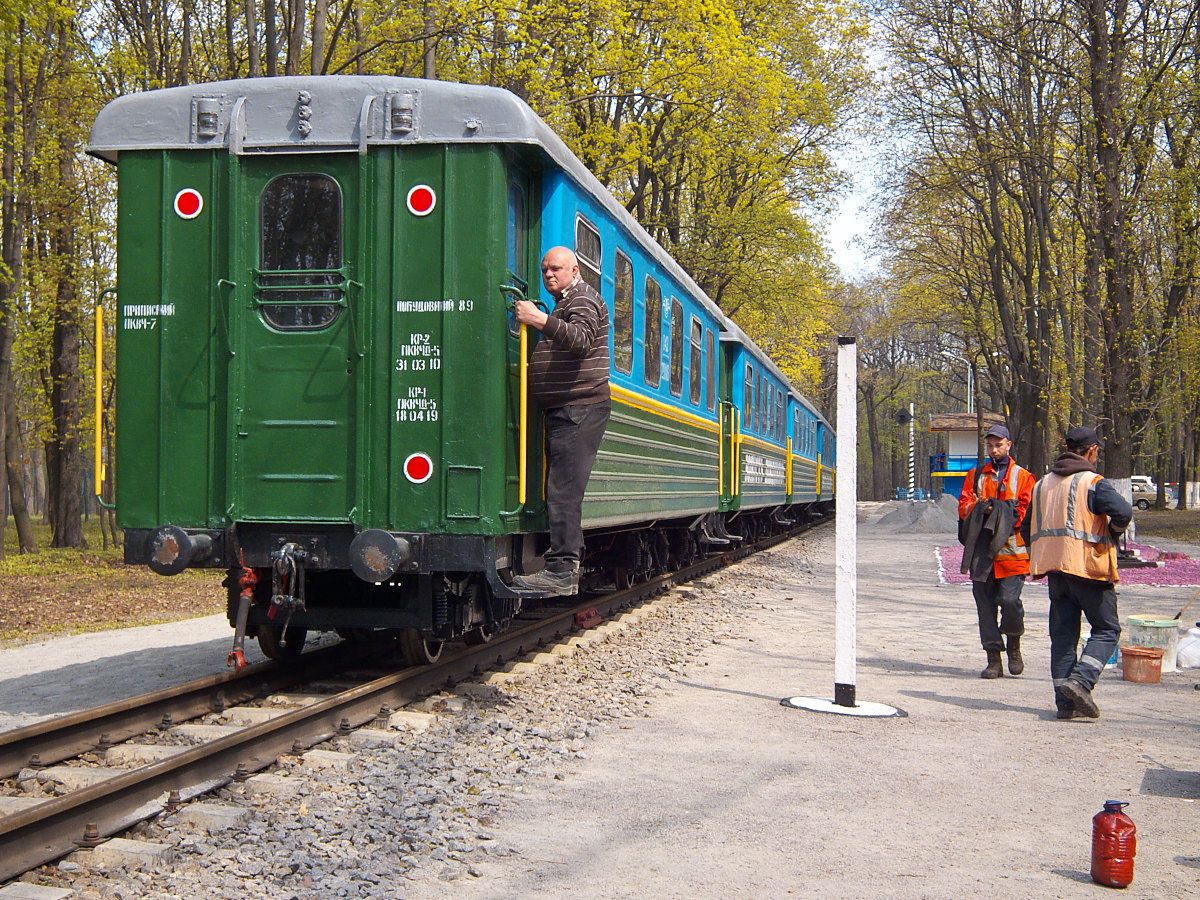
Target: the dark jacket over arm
pixel 1104 500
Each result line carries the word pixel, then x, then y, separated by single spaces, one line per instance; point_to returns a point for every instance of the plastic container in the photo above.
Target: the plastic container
pixel 1142 664
pixel 1114 843
pixel 1153 631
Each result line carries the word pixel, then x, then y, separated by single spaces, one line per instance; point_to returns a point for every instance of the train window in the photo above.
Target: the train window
pixel 758 401
pixel 300 237
pixel 516 229
pixel 780 416
pixel 694 362
pixel 749 401
pixel 587 249
pixel 796 430
pixel 710 369
pixel 676 347
pixel 623 315
pixel 652 345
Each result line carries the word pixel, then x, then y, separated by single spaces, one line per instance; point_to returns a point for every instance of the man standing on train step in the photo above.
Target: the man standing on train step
pixel 1074 521
pixel 991 510
pixel 569 377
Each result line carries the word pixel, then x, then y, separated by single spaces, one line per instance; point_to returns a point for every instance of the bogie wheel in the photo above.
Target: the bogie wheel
pixel 480 634
pixel 622 578
pixel 416 649
pixel 281 644
pixel 1143 504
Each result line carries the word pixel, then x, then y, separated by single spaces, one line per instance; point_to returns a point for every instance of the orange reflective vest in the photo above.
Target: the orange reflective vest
pixel 1066 535
pixel 981 484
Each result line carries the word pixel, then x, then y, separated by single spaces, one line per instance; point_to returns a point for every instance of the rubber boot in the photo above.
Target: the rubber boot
pixel 1016 665
pixel 994 669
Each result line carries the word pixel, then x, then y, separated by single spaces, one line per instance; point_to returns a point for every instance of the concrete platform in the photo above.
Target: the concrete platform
pixel 979 791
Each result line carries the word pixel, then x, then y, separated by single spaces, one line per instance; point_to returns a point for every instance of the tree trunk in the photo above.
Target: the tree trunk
pixel 26 540
pixel 320 7
pixel 66 456
pixel 252 37
pixel 270 21
pixel 295 37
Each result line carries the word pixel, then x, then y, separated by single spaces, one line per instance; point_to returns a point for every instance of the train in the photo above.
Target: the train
pixel 321 387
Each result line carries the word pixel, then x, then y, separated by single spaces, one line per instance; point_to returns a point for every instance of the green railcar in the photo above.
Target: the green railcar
pixel 319 382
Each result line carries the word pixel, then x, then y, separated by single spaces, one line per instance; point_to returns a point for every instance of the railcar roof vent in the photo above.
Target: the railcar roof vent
pixel 206 117
pixel 402 113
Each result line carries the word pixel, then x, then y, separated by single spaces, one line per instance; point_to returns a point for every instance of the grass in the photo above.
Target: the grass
pixel 1175 524
pixel 66 591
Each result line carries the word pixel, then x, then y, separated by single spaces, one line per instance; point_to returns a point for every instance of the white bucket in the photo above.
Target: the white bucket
pixel 1153 631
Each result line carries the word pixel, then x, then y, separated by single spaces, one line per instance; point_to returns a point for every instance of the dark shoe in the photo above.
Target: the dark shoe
pixel 994 669
pixel 1016 665
pixel 1067 712
pixel 1082 698
pixel 548 584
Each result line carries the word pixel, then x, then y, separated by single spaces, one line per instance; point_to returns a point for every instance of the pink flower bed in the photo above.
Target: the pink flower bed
pixel 1173 569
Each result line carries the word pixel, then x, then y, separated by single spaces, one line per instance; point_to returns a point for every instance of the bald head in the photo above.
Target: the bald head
pixel 560 269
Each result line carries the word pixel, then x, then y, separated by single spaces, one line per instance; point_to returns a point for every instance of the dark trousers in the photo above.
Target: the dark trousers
pixel 1098 601
pixel 573 435
pixel 1001 595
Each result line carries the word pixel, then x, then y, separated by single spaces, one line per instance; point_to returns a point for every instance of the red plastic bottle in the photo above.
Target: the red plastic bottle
pixel 1114 842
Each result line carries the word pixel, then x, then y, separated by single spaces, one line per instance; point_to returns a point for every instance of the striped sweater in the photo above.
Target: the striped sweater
pixel 570 363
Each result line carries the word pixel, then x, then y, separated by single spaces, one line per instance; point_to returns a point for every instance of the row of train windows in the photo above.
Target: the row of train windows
pixel 806 435
pixel 702 344
pixel 765 406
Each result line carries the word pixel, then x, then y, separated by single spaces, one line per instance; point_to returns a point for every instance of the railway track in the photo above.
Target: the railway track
pixel 47 829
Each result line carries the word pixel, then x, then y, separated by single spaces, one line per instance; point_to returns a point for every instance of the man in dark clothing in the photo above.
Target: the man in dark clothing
pixel 1076 517
pixel 569 377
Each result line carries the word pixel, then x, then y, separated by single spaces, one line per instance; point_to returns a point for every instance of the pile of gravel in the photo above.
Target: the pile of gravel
pixel 920 517
pixel 422 810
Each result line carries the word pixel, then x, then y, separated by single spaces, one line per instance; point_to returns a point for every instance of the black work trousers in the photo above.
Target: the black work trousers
pixel 1098 601
pixel 1001 595
pixel 573 435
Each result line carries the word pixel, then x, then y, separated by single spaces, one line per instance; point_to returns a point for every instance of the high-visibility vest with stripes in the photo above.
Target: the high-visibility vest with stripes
pixel 1013 557
pixel 1065 535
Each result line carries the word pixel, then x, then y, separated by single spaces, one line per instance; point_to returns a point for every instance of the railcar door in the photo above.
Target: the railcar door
pixel 297 338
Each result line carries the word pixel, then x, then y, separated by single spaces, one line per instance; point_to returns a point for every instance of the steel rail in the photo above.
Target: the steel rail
pixel 55 827
pixel 64 737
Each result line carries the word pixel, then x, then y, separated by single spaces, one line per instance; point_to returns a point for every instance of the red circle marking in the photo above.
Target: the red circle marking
pixel 418 468
pixel 188 203
pixel 421 200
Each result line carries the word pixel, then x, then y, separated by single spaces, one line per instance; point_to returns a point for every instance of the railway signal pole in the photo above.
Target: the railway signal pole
pixel 845 701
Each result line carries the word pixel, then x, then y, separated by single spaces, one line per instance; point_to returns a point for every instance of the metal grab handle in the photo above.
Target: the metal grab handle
pixel 225 282
pixel 350 312
pixel 513 293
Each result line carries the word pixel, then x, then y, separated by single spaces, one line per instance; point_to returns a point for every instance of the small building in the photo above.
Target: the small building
pixel 962 449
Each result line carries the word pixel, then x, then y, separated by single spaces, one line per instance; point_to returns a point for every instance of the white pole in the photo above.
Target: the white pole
pixel 846 553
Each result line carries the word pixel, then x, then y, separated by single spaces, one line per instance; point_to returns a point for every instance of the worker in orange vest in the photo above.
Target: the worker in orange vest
pixel 1075 519
pixel 993 502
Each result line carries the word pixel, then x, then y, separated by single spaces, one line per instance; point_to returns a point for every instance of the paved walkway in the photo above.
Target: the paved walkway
pixel 980 791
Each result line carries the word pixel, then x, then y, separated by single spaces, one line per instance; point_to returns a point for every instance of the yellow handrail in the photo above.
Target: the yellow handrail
pixel 721 453
pixel 818 473
pixel 789 467
pixel 99 470
pixel 737 455
pixel 523 429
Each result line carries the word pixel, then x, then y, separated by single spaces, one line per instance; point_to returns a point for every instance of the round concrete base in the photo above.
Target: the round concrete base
pixel 864 710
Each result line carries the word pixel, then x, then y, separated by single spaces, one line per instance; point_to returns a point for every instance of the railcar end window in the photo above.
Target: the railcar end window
pixel 780 416
pixel 623 315
pixel 587 250
pixel 749 402
pixel 694 369
pixel 300 238
pixel 652 345
pixel 676 347
pixel 758 401
pixel 710 369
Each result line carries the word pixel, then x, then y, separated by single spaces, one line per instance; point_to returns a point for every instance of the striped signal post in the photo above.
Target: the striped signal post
pixel 912 451
pixel 845 701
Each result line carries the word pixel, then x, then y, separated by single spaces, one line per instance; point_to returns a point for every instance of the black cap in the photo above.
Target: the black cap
pixel 998 431
pixel 1083 436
